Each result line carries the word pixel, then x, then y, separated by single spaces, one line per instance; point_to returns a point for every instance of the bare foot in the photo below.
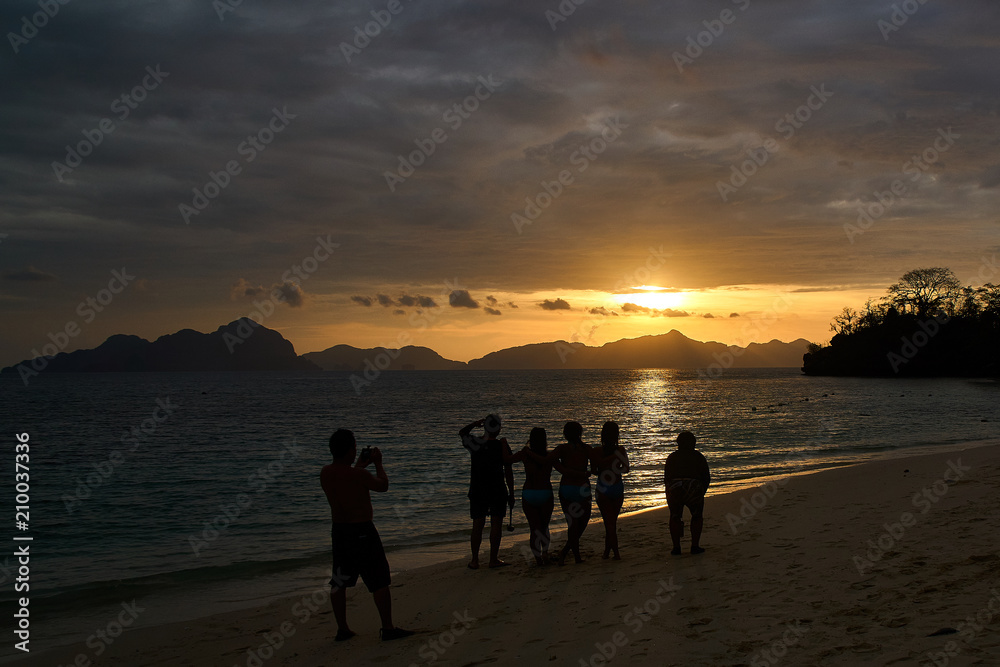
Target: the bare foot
pixel 344 635
pixel 676 551
pixel 697 550
pixel 473 565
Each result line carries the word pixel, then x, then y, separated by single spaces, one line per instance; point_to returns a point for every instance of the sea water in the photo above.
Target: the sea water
pixel 199 492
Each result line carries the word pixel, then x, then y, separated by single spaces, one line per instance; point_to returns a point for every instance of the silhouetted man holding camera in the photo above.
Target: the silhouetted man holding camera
pixel 357 547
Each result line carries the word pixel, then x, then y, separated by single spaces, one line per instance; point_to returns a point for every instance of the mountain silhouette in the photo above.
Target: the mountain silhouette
pixel 409 358
pixel 241 345
pixel 670 350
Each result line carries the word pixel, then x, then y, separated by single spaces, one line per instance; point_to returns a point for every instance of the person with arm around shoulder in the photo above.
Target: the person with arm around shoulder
pixel 610 462
pixel 537 500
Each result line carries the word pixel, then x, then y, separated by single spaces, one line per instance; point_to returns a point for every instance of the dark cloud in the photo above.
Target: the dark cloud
pixel 709 316
pixel 670 312
pixel 29 274
pixel 558 304
pixel 291 293
pixel 492 311
pixel 635 308
pixel 399 311
pixel 734 314
pixel 409 300
pixel 601 310
pixel 362 300
pixel 460 299
pixel 491 300
pixel 383 300
pixel 244 288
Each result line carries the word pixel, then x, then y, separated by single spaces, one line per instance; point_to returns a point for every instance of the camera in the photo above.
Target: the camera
pixel 366 454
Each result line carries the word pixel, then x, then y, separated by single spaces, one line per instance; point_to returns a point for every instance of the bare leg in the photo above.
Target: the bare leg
pixel 477 540
pixel 338 598
pixel 546 517
pixel 604 505
pixel 383 601
pixel 676 530
pixel 584 520
pixel 696 526
pixel 535 531
pixel 568 514
pixel 581 512
pixel 496 533
pixel 611 531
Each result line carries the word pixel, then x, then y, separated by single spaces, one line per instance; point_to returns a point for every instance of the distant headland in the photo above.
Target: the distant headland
pixel 927 325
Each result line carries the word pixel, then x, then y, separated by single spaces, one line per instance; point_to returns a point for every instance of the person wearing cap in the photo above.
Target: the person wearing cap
pixel 491 485
pixel 686 478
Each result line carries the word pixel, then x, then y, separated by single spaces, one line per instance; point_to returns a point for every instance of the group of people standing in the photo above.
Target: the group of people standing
pixel 491 487
pixel 357 548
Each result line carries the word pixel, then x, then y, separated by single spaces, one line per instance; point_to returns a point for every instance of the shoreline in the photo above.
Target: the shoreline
pixel 219 636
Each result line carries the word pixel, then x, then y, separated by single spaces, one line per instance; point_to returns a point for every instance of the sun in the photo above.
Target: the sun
pixel 651 296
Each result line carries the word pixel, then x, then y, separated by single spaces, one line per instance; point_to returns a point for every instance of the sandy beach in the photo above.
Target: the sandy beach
pixel 891 562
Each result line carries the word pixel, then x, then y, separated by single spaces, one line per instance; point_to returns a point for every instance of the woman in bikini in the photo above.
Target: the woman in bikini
pixel 610 462
pixel 536 497
pixel 572 459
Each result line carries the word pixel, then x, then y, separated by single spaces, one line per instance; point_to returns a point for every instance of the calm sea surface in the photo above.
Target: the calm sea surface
pixel 114 520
